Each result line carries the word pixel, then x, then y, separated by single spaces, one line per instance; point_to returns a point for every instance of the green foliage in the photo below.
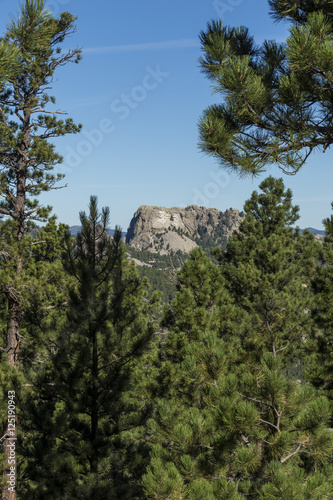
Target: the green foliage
pixel 229 420
pixel 159 269
pixel 32 281
pixel 9 65
pixel 297 11
pixel 42 290
pixel 320 370
pixel 88 409
pixel 186 436
pixel 26 155
pixel 233 399
pixel 268 269
pixel 277 106
pixel 41 286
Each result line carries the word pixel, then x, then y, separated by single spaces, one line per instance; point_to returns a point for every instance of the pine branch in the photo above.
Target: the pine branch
pixel 298 449
pixel 269 423
pixel 256 400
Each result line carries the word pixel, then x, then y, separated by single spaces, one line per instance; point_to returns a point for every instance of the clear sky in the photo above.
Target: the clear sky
pixel 139 93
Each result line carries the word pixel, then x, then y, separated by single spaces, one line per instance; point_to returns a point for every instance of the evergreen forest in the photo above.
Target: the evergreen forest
pixel 222 390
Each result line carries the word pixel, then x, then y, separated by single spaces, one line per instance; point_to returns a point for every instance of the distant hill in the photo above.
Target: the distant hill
pixel 159 239
pixel 315 231
pixel 139 238
pixel 76 229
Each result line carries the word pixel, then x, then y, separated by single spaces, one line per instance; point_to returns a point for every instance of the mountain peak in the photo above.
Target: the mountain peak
pixel 162 230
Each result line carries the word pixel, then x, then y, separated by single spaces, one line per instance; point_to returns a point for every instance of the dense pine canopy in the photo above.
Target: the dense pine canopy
pixel 235 416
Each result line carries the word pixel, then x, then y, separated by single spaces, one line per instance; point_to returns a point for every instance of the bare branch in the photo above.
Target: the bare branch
pixel 255 400
pixel 298 449
pixel 269 423
pixel 3 117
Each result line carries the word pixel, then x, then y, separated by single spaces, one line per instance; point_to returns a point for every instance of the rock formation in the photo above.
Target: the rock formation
pixel 162 230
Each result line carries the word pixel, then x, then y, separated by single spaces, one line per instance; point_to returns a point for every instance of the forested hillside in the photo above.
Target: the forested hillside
pixel 161 268
pixel 201 375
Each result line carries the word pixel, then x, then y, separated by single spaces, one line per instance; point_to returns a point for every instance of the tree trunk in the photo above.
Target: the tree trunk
pixel 10 433
pixel 13 297
pixel 94 408
pixel 10 429
pixel 13 330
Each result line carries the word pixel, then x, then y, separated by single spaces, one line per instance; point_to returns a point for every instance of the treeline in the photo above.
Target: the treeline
pixel 229 396
pixel 243 387
pixel 160 270
pixel 85 334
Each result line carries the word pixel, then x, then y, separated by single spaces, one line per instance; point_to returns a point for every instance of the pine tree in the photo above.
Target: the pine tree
pixel 43 301
pixel 286 446
pixel 42 281
pixel 190 449
pixel 277 106
pixel 85 423
pixel 27 157
pixel 320 370
pixel 233 420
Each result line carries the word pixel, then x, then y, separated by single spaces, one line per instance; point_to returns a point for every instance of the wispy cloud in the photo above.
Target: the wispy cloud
pixel 118 186
pixel 313 200
pixel 186 43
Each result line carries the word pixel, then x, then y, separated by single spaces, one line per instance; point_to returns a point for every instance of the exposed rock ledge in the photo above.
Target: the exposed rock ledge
pixel 160 229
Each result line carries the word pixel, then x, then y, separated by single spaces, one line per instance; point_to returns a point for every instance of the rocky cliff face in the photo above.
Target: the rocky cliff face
pixel 162 230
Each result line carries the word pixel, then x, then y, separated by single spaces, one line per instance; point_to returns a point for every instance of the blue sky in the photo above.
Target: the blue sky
pixel 139 93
